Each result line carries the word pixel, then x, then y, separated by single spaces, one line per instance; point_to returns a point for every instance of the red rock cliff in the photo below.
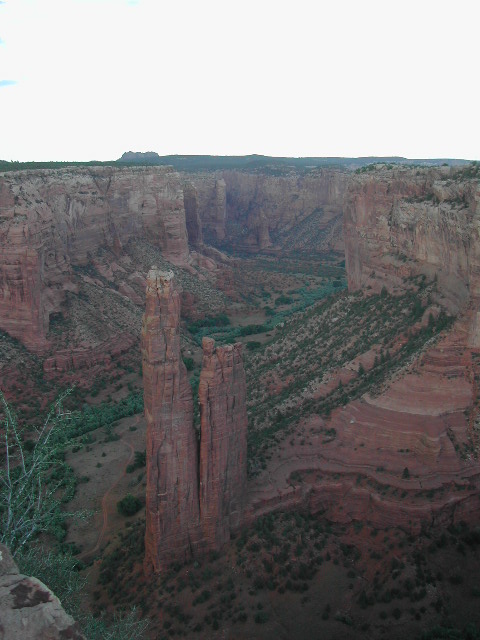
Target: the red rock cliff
pixel 51 220
pixel 261 210
pixel 172 448
pixel 223 447
pixel 403 221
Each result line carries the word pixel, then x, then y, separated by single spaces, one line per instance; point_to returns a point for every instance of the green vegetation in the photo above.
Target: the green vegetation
pixel 15 165
pixel 225 333
pixel 34 479
pixel 189 363
pixel 103 415
pixel 139 461
pixel 324 338
pixel 220 320
pixel 129 505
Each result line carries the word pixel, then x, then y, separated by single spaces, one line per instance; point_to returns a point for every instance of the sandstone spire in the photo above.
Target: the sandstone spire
pixel 172 448
pixel 223 445
pixel 193 503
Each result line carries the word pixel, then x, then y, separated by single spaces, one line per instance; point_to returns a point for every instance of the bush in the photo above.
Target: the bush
pixel 189 363
pixel 283 300
pixel 261 617
pixel 34 479
pixel 129 505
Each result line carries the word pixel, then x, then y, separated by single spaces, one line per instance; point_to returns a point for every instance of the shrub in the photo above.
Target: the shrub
pixel 129 505
pixel 189 363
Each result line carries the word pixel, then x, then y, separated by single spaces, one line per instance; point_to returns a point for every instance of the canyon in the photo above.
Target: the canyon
pixel 362 403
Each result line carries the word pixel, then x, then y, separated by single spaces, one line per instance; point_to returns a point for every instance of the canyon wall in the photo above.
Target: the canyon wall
pixel 405 221
pixel 196 487
pixel 259 211
pixel 212 202
pixel 52 221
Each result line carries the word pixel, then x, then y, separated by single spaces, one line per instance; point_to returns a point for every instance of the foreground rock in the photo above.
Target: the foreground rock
pixel 28 609
pixel 195 490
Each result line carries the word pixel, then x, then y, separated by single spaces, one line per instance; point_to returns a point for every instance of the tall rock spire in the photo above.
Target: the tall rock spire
pixel 172 511
pixel 223 444
pixel 193 501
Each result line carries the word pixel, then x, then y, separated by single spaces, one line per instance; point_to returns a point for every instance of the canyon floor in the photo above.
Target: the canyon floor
pixel 362 509
pixel 364 481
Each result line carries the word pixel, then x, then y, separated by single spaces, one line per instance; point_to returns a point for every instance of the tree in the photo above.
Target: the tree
pixel 34 480
pixel 33 476
pixel 129 505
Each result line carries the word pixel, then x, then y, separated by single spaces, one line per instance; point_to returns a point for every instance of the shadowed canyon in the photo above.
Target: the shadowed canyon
pixel 274 419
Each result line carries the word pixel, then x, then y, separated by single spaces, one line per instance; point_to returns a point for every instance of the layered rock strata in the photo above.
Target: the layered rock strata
pixel 195 489
pixel 401 222
pixel 223 444
pixel 53 221
pixel 407 457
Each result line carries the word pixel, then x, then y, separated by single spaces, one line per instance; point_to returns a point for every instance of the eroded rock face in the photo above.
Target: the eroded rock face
pixel 223 446
pixel 402 458
pixel 194 498
pixel 404 221
pixel 194 223
pixel 263 211
pixel 52 221
pixel 28 609
pixel 212 205
pixel 172 448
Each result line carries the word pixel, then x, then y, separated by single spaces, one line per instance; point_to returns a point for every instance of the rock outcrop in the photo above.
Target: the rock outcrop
pixel 53 221
pixel 401 222
pixel 28 609
pixel 172 450
pixel 195 490
pixel 223 445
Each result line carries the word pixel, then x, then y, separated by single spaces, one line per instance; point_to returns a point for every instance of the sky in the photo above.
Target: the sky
pixel 90 79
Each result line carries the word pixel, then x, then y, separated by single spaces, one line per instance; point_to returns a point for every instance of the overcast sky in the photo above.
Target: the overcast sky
pixel 90 79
